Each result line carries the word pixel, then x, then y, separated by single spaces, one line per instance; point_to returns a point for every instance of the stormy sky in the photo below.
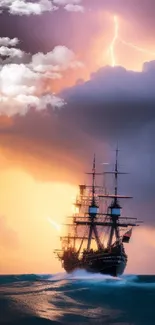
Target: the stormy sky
pixel 77 77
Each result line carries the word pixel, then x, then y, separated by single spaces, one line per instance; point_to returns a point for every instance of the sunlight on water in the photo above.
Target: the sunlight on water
pixel 78 298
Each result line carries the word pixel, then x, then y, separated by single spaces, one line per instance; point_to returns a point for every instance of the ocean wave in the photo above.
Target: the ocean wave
pixel 81 276
pixel 77 298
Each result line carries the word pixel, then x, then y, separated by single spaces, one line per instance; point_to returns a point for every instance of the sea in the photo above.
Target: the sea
pixel 79 298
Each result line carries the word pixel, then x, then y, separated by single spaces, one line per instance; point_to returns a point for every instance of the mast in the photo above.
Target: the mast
pixel 93 208
pixel 116 173
pixel 115 208
pixel 92 212
pixel 93 182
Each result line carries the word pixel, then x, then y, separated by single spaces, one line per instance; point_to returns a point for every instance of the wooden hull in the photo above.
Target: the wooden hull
pixel 109 264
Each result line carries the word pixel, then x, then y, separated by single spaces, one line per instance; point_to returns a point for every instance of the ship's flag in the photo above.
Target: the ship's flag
pixel 126 237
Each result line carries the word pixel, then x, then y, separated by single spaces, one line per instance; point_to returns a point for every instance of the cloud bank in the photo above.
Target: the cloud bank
pixel 74 8
pixel 70 5
pixel 23 7
pixel 115 105
pixel 6 41
pixel 23 86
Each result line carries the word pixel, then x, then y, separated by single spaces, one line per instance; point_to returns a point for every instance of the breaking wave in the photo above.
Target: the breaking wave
pixel 78 298
pixel 81 275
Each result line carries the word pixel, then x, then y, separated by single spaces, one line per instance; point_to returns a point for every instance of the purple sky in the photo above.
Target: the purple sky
pixel 115 104
pixel 65 51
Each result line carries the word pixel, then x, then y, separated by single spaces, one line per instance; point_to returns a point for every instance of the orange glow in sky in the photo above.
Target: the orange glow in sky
pixel 28 237
pixel 31 212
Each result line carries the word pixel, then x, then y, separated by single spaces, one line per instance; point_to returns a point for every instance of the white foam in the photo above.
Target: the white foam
pixel 83 275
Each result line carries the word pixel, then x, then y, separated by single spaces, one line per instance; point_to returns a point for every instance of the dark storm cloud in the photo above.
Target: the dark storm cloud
pixel 116 105
pixel 47 145
pixel 78 31
pixel 115 97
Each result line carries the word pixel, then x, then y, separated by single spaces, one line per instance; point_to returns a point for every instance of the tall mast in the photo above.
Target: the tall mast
pixel 115 208
pixel 93 210
pixel 93 181
pixel 116 175
pixel 92 207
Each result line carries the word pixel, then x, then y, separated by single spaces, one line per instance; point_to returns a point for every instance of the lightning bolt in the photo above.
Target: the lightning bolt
pixel 116 38
pixel 137 48
pixel 112 45
pixel 56 225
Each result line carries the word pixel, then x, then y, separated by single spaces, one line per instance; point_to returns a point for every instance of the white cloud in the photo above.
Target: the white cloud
pixel 23 7
pixel 7 50
pixel 52 75
pixel 22 88
pixel 11 52
pixel 17 78
pixel 70 5
pixel 66 2
pixel 21 103
pixel 74 8
pixel 24 85
pixel 6 41
pixel 60 59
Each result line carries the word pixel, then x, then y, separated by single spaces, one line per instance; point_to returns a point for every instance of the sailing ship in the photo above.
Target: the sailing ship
pixel 95 238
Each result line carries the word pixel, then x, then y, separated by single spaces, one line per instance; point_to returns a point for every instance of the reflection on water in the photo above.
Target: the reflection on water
pixel 79 298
